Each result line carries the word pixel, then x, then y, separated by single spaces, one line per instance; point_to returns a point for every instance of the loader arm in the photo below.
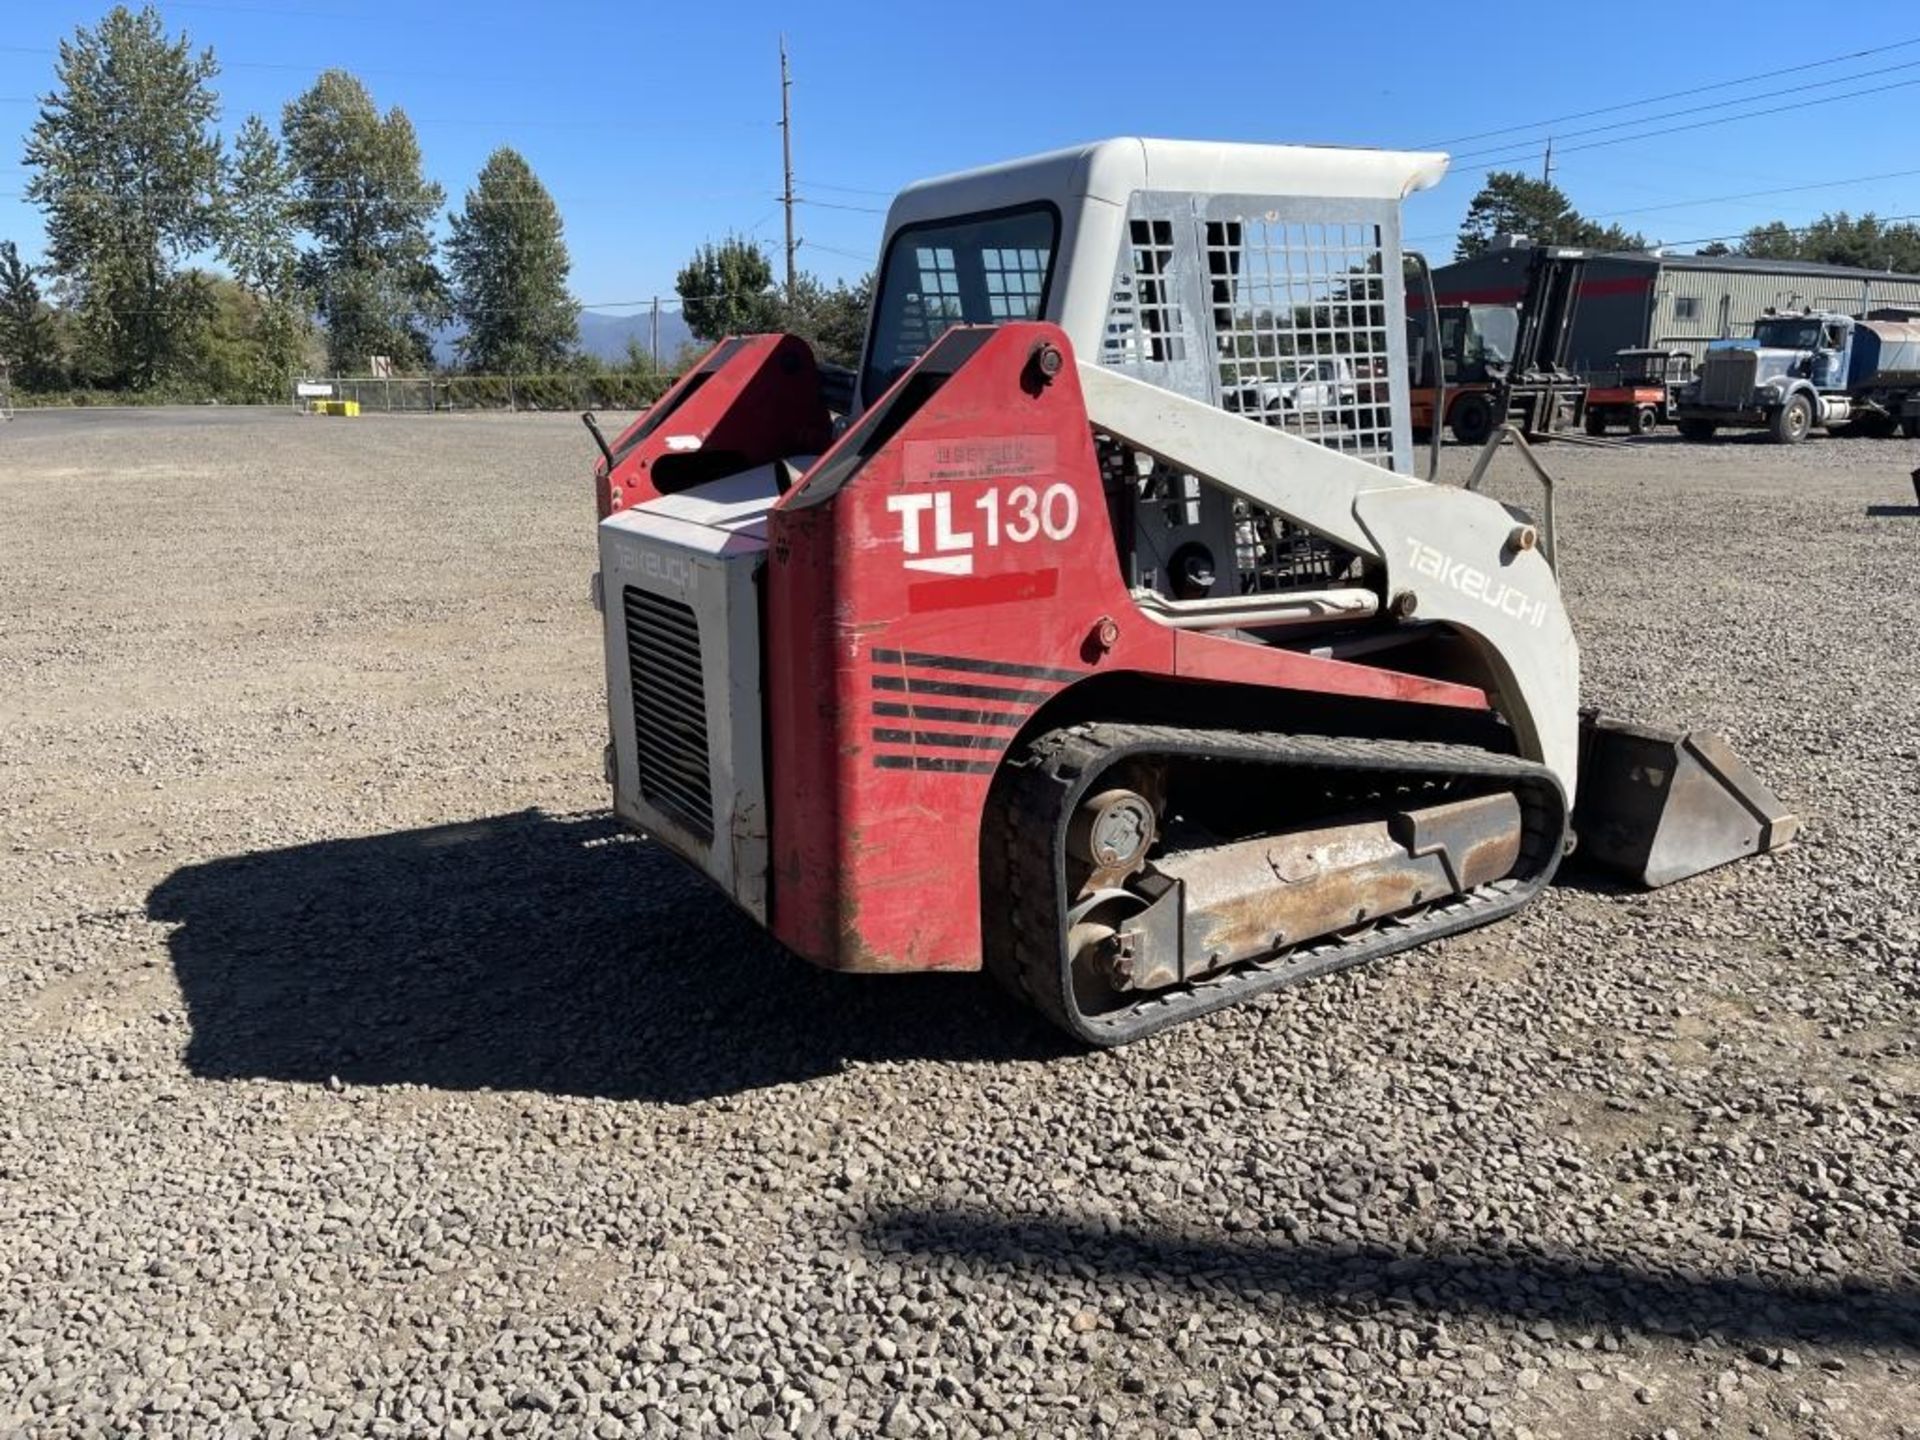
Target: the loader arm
pixel 1449 555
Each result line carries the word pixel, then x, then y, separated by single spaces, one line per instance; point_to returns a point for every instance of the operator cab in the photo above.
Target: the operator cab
pixel 1265 280
pixel 1259 278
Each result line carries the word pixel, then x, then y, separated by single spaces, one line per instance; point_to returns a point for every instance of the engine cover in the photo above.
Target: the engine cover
pixel 680 598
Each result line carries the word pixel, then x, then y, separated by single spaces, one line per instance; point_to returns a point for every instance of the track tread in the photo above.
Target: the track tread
pixel 1045 778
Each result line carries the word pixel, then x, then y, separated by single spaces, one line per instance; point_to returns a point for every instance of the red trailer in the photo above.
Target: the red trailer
pixel 1637 395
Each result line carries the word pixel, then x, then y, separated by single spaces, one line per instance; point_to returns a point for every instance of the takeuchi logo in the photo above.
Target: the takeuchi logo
pixel 1476 584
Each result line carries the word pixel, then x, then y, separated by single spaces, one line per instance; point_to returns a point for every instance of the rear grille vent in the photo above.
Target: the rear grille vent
pixel 669 708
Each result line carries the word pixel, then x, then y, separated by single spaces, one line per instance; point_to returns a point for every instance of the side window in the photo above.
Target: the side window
pixel 1016 279
pixel 1686 307
pixel 969 271
pixel 939 292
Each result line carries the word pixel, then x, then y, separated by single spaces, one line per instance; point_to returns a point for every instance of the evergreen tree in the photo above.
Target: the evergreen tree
pixel 362 197
pixel 127 167
pixel 832 320
pixel 1772 241
pixel 258 245
pixel 1840 239
pixel 1510 203
pixel 508 263
pixel 727 289
pixel 28 342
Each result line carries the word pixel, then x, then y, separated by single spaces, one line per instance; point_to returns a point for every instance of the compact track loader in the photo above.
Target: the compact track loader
pixel 1044 659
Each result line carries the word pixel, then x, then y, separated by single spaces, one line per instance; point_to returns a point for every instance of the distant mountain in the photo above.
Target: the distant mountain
pixel 603 336
pixel 606 336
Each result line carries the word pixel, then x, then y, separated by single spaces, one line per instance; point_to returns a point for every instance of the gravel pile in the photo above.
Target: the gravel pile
pixel 357 1077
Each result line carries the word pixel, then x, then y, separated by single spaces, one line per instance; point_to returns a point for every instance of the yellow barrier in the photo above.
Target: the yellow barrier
pixel 333 407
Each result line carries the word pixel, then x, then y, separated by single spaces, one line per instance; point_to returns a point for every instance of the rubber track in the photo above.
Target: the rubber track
pixel 1041 785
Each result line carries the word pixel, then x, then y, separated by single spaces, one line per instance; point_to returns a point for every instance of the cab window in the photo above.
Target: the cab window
pixel 978 270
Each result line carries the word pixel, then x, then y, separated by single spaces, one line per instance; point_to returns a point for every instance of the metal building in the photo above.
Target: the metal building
pixel 1678 302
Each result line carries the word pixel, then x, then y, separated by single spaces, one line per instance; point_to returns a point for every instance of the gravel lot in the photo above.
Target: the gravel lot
pixel 358 1077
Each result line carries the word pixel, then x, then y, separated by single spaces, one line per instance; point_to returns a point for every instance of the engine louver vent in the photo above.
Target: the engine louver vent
pixel 669 708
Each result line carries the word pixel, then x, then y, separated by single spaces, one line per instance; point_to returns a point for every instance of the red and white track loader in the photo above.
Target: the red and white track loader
pixel 1056 656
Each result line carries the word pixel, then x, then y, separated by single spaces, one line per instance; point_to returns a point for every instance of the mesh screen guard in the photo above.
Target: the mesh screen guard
pixel 1284 309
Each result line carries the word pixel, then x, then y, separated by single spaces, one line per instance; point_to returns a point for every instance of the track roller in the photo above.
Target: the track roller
pixel 1137 875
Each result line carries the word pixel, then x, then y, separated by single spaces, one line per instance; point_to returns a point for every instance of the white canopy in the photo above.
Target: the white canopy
pixel 1112 170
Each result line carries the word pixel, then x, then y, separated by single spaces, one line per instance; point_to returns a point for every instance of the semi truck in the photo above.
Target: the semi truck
pixel 1807 368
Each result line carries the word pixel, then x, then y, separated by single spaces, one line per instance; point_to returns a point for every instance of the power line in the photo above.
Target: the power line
pixel 653 301
pixel 1676 94
pixel 292 198
pixel 848 189
pixel 835 250
pixel 1664 245
pixel 1721 199
pixel 1755 194
pixel 831 205
pixel 1515 160
pixel 1789 230
pixel 256 10
pixel 1697 109
pixel 439 122
pixel 313 68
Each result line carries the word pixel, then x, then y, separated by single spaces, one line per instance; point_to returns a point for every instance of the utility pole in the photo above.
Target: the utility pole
pixel 786 160
pixel 1546 171
pixel 656 334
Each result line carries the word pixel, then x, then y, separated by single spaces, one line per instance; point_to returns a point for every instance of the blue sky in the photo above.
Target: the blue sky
pixel 654 126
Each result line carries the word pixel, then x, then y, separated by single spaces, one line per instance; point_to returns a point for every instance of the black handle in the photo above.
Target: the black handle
pixel 593 428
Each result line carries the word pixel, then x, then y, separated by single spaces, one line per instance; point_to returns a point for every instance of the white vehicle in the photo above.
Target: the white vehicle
pixel 1322 386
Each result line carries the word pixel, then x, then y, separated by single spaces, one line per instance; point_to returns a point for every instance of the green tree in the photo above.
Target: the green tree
pixel 362 197
pixel 1839 239
pixel 1510 203
pixel 257 242
pixel 1771 242
pixel 508 262
pixel 127 166
pixel 727 289
pixel 29 344
pixel 832 320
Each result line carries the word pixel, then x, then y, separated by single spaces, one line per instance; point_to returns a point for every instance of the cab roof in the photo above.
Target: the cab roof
pixel 1112 170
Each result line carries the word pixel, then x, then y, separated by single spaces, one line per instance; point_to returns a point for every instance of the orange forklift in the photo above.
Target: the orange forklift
pixel 1501 364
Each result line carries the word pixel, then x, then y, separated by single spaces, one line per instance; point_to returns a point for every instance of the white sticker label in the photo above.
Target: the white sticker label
pixel 940 533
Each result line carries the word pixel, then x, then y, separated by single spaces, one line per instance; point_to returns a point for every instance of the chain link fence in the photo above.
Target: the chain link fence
pixel 426 394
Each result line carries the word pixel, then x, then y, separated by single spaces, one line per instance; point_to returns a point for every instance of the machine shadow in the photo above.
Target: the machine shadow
pixel 1907 511
pixel 1566 1289
pixel 531 952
